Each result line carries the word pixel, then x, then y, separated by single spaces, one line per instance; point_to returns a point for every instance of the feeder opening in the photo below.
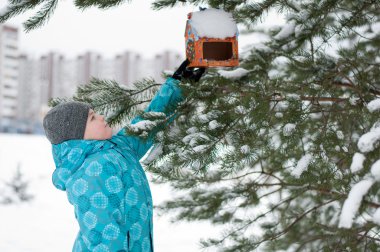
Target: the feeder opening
pixel 217 50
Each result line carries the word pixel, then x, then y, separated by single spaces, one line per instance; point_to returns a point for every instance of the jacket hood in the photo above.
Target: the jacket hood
pixel 70 155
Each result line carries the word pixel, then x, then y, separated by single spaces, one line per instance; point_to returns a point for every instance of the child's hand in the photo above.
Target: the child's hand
pixel 188 73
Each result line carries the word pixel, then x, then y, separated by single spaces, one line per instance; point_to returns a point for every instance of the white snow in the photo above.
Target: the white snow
pixel 354 100
pixel 302 165
pixel 240 110
pixel 48 224
pixel 288 129
pixel 193 138
pixel 155 114
pixel 376 217
pixel 153 153
pixel 344 148
pixel 3 10
pixel 282 105
pixel 203 118
pixel 286 31
pixel 357 162
pixel 213 23
pixel 213 125
pixel 339 134
pixel 192 130
pixel 375 170
pixel 279 115
pixel 201 148
pixel 234 74
pixel 260 47
pixel 368 141
pixel 376 27
pixel 293 97
pixel 353 202
pixel 374 105
pixel 325 103
pixel 245 149
pixel 144 125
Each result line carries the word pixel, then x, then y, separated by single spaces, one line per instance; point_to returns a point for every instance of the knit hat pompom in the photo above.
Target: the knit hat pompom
pixel 66 121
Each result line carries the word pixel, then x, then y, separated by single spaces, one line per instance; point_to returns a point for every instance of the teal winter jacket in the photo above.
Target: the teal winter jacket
pixel 107 186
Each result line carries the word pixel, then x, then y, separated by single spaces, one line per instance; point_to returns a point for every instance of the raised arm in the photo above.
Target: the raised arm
pixel 166 100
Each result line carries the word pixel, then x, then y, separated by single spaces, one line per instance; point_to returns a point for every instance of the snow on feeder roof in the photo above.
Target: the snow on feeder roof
pixel 211 39
pixel 213 23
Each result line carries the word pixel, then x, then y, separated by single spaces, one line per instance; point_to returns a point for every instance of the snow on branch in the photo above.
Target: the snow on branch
pixel 376 217
pixel 353 202
pixel 144 125
pixel 234 74
pixel 368 141
pixel 374 105
pixel 286 31
pixel 288 129
pixel 375 170
pixel 153 154
pixel 357 162
pixel 302 165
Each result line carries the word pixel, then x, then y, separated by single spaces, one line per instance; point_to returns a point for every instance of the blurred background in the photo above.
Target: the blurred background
pixel 124 44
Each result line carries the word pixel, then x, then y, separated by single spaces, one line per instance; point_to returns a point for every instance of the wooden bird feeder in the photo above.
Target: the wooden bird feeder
pixel 211 39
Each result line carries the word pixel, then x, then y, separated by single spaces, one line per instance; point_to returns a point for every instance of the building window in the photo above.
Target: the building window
pixel 10 56
pixel 11 47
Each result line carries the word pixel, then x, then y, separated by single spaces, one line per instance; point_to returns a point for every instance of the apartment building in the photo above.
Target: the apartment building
pixel 8 74
pixel 27 84
pixel 29 90
pixel 166 61
pixel 127 68
pixel 50 75
pixel 88 65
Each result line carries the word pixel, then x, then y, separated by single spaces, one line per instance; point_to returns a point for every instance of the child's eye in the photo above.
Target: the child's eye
pixel 92 118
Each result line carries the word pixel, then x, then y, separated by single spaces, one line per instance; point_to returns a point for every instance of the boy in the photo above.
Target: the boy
pixel 101 173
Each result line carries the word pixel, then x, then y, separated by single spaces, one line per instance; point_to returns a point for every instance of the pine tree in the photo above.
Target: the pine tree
pixel 15 191
pixel 274 155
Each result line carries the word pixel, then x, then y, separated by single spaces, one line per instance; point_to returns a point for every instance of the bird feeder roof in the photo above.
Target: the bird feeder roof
pixel 213 23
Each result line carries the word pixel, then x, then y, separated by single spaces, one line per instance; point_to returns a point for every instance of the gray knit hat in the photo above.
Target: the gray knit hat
pixel 66 121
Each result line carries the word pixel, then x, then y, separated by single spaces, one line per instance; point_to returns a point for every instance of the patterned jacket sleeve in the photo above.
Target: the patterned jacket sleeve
pixel 166 101
pixel 97 197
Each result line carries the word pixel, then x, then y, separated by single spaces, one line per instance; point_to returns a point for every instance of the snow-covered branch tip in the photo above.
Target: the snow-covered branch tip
pixel 353 202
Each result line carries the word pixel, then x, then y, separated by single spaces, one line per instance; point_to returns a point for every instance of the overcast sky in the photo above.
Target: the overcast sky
pixel 131 26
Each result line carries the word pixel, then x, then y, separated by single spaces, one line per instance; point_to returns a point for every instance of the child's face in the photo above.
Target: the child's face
pixel 96 127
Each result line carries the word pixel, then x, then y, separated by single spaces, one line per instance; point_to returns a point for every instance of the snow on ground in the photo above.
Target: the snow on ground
pixel 48 224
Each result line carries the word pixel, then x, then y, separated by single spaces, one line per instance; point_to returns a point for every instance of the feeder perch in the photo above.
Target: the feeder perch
pixel 211 39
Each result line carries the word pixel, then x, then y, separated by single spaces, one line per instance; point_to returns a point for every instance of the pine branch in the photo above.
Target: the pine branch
pixel 296 220
pixel 41 17
pixel 102 4
pixel 116 102
pixel 15 8
pixel 158 5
